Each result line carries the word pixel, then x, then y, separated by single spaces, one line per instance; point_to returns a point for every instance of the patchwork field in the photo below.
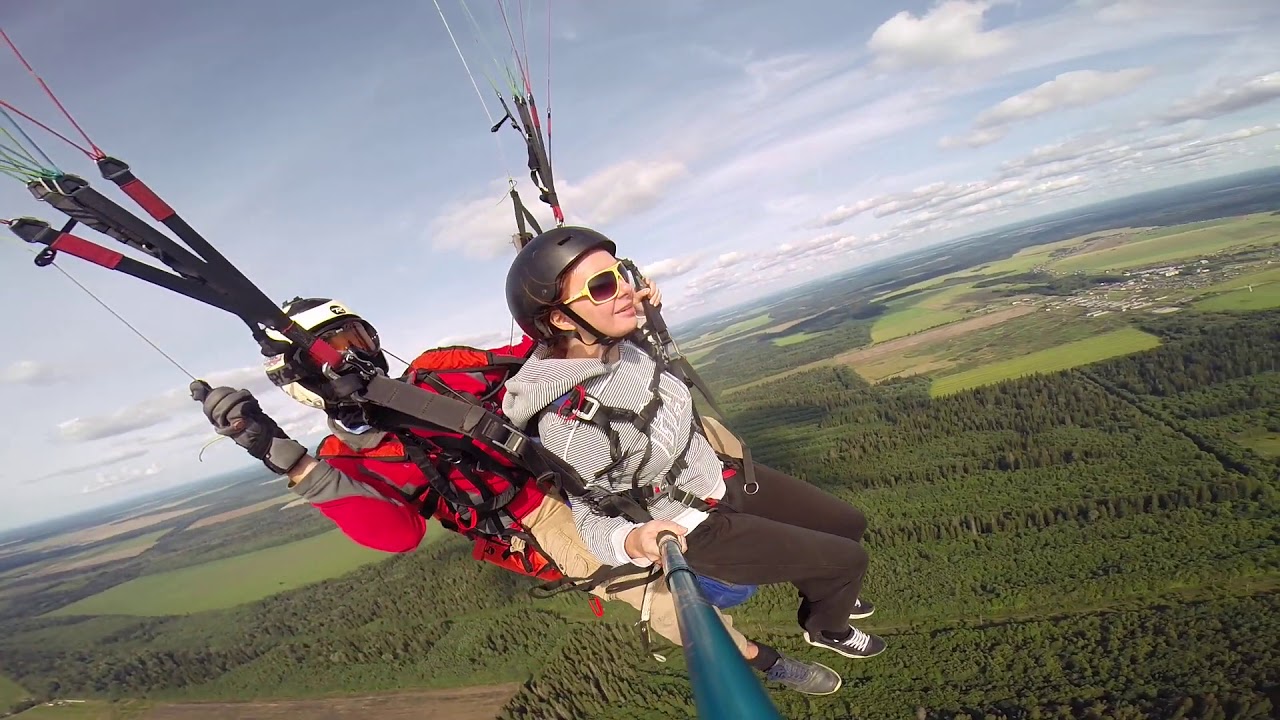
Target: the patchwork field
pixel 100 556
pixel 1171 244
pixel 106 531
pixel 241 512
pixel 230 582
pixel 1069 355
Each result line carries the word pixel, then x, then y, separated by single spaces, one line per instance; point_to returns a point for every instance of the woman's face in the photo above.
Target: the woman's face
pixel 595 290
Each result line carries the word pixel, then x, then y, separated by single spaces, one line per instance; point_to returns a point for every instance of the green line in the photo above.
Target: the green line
pixel 17 145
pixel 31 142
pixel 488 48
pixel 18 157
pixel 14 169
pixel 16 149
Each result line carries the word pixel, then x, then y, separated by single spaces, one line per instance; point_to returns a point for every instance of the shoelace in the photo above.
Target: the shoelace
pixel 857 640
pixel 788 669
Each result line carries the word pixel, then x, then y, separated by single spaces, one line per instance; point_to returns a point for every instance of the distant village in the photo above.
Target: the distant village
pixel 1155 289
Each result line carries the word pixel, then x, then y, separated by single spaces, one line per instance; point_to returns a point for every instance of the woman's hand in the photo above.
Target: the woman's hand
pixel 651 293
pixel 642 542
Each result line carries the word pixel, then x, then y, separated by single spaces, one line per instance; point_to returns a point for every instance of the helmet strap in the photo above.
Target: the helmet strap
pixel 602 340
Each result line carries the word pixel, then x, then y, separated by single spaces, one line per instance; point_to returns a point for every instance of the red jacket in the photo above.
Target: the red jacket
pixel 373 492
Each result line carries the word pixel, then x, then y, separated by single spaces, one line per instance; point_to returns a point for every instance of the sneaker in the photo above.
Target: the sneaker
pixel 862 609
pixel 808 678
pixel 857 645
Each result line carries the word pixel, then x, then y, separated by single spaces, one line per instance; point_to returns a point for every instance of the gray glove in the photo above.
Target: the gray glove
pixel 236 414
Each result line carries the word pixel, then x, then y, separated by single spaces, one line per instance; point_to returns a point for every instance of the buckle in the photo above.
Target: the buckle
pixel 513 443
pixel 593 406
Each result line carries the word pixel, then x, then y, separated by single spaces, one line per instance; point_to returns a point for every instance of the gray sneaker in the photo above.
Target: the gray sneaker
pixel 808 678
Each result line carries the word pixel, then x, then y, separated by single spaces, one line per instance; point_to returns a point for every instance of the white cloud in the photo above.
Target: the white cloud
pixel 121 477
pixel 1074 89
pixel 1069 90
pixel 974 139
pixel 1226 97
pixel 671 267
pixel 950 32
pixel 32 373
pixel 97 464
pixel 1056 170
pixel 482 227
pixel 154 411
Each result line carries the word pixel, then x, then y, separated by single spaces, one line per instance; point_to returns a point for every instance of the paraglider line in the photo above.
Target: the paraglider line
pixel 548 80
pixel 479 37
pixel 524 35
pixel 485 106
pixel 97 153
pixel 6 106
pixel 27 137
pixel 200 455
pixel 515 49
pixel 127 324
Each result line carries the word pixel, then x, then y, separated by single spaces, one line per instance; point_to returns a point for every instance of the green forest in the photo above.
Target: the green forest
pixel 1102 542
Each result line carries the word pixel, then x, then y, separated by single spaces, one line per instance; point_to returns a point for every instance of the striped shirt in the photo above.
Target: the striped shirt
pixel 622 383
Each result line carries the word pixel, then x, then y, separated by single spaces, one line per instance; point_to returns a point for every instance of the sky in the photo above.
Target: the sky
pixel 732 149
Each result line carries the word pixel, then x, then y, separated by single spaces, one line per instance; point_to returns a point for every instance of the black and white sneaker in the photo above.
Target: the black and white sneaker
pixel 856 644
pixel 862 609
pixel 808 678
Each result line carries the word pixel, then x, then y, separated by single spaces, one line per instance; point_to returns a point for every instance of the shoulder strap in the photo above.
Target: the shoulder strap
pixel 398 404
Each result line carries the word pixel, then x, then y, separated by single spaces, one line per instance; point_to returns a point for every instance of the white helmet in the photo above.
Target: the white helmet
pixel 334 323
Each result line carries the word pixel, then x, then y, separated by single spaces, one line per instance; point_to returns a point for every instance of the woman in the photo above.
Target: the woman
pixel 602 403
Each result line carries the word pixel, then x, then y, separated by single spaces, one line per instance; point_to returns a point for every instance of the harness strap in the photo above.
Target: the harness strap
pixel 490 502
pixel 399 404
pixel 595 579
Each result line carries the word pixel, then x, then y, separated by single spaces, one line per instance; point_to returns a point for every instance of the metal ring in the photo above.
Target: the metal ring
pixel 747 488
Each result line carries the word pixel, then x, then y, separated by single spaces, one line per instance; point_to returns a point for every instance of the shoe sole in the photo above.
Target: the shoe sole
pixel 839 652
pixel 861 616
pixel 839 683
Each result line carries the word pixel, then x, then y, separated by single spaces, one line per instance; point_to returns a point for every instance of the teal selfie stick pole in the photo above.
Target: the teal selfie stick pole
pixel 724 685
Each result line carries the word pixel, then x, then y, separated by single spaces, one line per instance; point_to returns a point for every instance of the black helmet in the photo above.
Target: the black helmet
pixel 533 282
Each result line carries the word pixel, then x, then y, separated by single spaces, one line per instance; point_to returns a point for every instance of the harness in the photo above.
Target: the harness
pixel 580 405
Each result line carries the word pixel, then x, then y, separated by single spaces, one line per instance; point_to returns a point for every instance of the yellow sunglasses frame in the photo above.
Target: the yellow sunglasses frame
pixel 585 292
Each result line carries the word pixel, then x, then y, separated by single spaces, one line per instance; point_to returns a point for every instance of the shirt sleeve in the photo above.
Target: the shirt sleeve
pixel 367 510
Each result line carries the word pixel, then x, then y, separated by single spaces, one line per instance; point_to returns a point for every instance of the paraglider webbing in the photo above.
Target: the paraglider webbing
pixel 724 687
pixel 656 327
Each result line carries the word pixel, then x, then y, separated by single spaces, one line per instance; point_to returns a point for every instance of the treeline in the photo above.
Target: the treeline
pixel 1187 660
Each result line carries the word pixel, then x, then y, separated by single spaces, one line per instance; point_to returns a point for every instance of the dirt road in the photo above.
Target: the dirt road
pixel 477 703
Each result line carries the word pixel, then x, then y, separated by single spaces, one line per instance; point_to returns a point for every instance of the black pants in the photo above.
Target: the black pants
pixel 786 531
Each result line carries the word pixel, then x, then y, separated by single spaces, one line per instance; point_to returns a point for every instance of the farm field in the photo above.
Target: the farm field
pixel 795 339
pixel 910 321
pixel 1260 297
pixel 1062 357
pixel 232 581
pixel 1171 244
pixel 10 692
pixel 99 556
pixel 241 512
